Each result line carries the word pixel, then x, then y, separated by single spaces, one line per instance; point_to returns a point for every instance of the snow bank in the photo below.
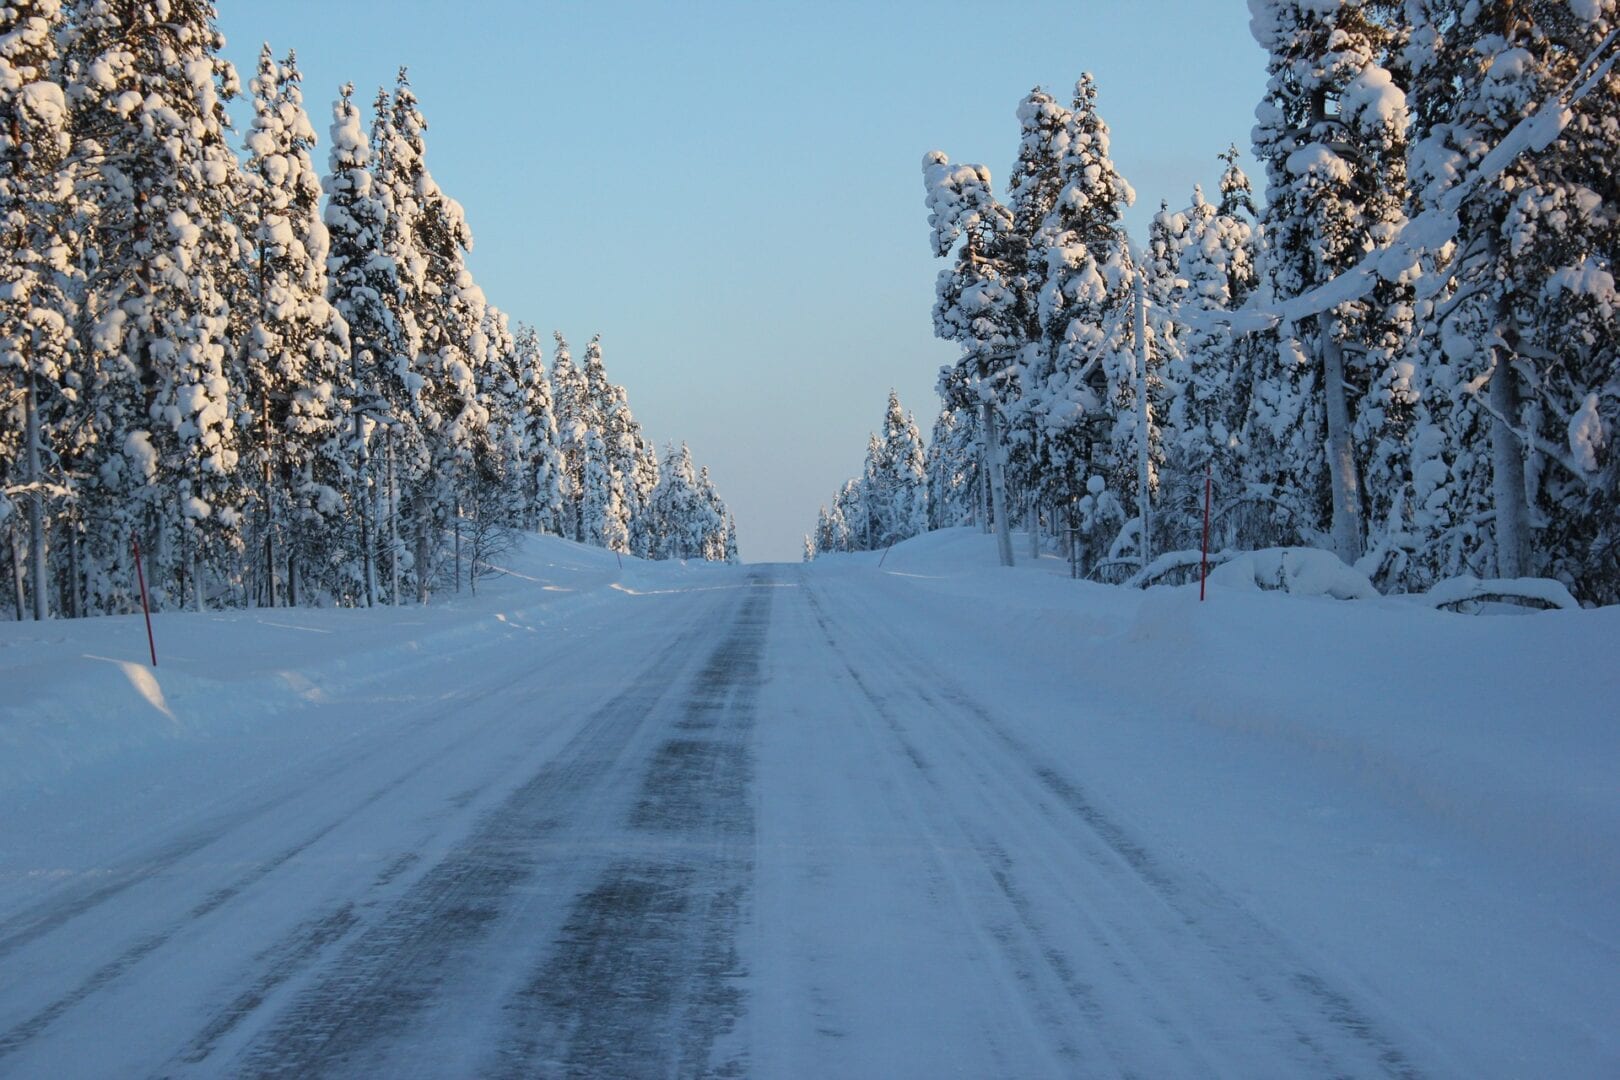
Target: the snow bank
pixel 1456 591
pixel 1501 729
pixel 81 694
pixel 1300 571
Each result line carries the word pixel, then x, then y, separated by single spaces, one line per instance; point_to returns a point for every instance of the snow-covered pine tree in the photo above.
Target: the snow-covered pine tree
pixel 147 88
pixel 1521 334
pixel 293 358
pixel 1036 182
pixel 826 535
pixel 643 483
pixel 716 543
pixel 1082 306
pixel 622 444
pixel 406 450
pixel 39 388
pixel 904 471
pixel 1212 377
pixel 979 305
pixel 538 422
pixel 379 387
pixel 851 516
pixel 596 493
pixel 1176 483
pixel 506 400
pixel 875 496
pixel 620 436
pixel 449 314
pixel 572 404
pixel 1332 134
pixel 953 470
pixel 682 515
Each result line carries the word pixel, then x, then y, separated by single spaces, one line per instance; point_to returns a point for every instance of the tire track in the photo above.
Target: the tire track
pixel 644 978
pixel 1262 963
pixel 369 994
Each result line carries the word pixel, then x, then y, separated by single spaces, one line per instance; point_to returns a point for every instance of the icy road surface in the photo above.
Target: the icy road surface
pixel 747 824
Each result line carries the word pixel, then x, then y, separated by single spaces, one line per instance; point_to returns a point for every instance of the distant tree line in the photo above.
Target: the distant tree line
pixel 888 502
pixel 284 383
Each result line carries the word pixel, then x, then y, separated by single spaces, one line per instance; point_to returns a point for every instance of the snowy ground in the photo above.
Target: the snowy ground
pixel 928 819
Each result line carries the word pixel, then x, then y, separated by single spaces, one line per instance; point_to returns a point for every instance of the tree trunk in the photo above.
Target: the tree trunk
pixel 17 573
pixel 362 499
pixel 1346 484
pixel 75 598
pixel 1507 471
pixel 998 484
pixel 36 504
pixel 981 505
pixel 423 549
pixel 393 523
pixel 1144 416
pixel 269 515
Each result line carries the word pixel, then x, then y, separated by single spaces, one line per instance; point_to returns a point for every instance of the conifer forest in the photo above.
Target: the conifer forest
pixel 276 377
pixel 1404 353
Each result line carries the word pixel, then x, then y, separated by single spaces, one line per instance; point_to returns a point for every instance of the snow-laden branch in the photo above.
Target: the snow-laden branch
pixel 1437 226
pixel 1456 591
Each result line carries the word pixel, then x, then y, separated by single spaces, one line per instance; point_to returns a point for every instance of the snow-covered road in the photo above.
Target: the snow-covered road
pixel 755 821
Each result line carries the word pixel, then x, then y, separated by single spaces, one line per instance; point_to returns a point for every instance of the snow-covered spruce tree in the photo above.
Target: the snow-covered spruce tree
pixel 1033 189
pixel 902 466
pixel 1332 133
pixel 39 388
pixel 852 517
pixel 449 309
pixel 1520 343
pixel 622 445
pixel 538 435
pixel 293 358
pixel 682 516
pixel 147 89
pixel 596 507
pixel 954 478
pixel 717 544
pixel 979 305
pixel 572 404
pixel 1086 390
pixel 612 492
pixel 1212 377
pixel 407 458
pixel 643 483
pixel 825 538
pixel 506 505
pixel 379 387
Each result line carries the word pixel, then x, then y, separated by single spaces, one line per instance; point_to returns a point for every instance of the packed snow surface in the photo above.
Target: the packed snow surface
pixel 918 819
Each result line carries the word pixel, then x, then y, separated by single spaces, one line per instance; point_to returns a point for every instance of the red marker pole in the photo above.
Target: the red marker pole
pixel 1203 571
pixel 146 609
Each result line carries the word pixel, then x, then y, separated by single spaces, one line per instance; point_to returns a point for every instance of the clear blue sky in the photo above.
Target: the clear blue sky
pixel 731 193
